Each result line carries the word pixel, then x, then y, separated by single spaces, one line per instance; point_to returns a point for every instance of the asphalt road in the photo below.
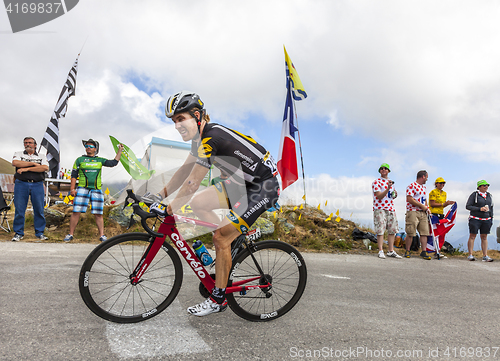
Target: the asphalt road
pixel 356 307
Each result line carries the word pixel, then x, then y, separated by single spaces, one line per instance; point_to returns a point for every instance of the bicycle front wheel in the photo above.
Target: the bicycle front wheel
pixel 283 267
pixel 105 284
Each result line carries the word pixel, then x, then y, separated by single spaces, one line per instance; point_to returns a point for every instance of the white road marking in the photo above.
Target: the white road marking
pixel 169 333
pixel 337 277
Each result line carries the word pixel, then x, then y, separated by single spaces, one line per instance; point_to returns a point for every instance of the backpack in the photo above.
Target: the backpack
pixel 357 234
pixel 448 248
pixel 399 240
pixel 415 244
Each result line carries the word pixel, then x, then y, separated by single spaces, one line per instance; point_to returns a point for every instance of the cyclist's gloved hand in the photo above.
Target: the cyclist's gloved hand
pixel 152 198
pixel 158 209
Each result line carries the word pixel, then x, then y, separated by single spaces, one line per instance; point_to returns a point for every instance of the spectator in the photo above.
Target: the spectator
pixel 29 177
pixel 437 202
pixel 480 205
pixel 384 213
pixel 437 199
pixel 87 169
pixel 417 214
pixel 223 176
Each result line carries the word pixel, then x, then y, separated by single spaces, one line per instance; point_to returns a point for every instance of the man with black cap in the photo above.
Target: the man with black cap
pixel 87 170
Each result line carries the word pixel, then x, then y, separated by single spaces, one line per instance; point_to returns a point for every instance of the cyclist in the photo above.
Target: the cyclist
pixel 252 186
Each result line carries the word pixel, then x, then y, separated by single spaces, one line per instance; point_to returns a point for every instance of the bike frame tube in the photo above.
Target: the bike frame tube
pixel 168 228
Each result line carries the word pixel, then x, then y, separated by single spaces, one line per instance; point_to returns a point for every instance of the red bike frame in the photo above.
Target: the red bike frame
pixel 168 228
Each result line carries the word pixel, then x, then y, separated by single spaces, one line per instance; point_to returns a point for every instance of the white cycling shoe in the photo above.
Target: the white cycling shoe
pixel 207 307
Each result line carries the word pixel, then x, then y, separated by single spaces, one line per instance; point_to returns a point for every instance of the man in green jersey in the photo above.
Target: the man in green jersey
pixel 87 170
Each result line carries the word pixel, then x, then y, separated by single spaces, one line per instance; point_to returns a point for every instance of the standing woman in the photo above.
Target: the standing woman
pixel 437 199
pixel 437 202
pixel 480 205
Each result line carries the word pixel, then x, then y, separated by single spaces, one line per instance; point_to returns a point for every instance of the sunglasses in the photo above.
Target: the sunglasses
pixel 441 183
pixel 384 168
pixel 89 146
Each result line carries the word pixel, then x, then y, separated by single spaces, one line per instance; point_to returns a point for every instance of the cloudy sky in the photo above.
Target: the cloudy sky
pixel 410 83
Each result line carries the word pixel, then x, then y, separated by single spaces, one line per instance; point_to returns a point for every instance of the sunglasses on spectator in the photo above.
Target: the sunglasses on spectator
pixel 89 146
pixel 384 168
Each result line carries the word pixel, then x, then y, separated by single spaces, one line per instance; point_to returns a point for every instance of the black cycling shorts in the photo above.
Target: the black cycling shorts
pixel 247 202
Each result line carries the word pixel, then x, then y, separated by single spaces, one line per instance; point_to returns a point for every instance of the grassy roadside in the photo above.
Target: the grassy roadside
pixel 306 229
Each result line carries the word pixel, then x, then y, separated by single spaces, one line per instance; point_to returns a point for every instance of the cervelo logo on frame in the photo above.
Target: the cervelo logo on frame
pixel 26 14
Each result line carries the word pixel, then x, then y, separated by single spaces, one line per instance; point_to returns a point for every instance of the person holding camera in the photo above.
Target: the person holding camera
pixel 384 212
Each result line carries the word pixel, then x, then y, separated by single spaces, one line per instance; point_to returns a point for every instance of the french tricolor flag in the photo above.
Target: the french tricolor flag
pixel 287 159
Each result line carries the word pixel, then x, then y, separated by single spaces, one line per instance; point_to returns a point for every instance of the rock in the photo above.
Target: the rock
pixel 292 216
pixel 265 225
pixel 287 227
pixel 53 217
pixel 121 216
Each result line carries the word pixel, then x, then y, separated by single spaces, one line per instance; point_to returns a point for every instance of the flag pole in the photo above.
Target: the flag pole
pixel 301 157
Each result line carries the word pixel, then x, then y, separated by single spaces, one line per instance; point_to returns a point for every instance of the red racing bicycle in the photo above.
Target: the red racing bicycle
pixel 135 276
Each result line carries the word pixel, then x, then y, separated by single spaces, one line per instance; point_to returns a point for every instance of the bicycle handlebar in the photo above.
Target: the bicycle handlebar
pixel 142 213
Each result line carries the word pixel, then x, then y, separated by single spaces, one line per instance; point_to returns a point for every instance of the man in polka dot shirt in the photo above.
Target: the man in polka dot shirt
pixel 417 212
pixel 384 213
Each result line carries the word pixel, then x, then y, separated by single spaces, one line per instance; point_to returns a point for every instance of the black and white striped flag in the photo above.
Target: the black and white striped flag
pixel 51 138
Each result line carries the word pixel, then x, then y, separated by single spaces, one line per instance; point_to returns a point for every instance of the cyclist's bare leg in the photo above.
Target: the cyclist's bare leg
pixel 222 239
pixel 204 203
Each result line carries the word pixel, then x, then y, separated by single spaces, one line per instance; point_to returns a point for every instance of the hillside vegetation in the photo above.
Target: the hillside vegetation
pixel 307 229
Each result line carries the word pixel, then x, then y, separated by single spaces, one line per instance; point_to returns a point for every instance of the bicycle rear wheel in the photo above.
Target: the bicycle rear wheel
pixel 105 284
pixel 283 267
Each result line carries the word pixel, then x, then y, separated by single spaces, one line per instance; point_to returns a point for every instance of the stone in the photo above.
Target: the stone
pixel 287 227
pixel 53 217
pixel 121 216
pixel 265 225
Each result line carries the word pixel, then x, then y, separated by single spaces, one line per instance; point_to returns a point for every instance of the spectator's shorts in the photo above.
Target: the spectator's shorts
pixel 385 220
pixel 417 221
pixel 476 225
pixel 83 196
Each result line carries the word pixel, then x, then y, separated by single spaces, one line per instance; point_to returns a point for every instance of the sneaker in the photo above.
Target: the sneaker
pixel 471 258
pixel 393 254
pixel 381 254
pixel 68 238
pixel 103 238
pixel 17 238
pixel 487 259
pixel 407 254
pixel 207 307
pixel 424 255
pixel 42 237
